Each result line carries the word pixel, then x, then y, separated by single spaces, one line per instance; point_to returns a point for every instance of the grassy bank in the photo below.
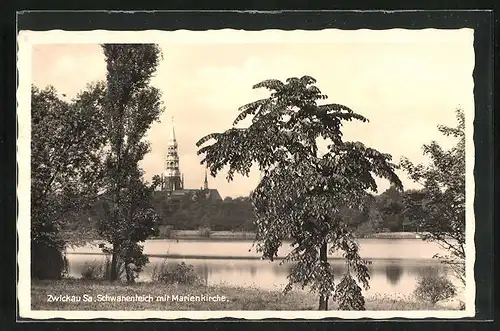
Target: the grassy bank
pixel 236 298
pixel 236 235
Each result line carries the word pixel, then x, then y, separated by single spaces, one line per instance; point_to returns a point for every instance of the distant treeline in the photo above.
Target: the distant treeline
pixel 380 213
pixel 189 213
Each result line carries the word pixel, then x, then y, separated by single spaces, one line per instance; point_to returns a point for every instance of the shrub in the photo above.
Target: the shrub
pixel 166 231
pixel 180 273
pixel 365 229
pixel 461 305
pixel 47 256
pixel 93 271
pixel 434 288
pixel 204 232
pixel 101 270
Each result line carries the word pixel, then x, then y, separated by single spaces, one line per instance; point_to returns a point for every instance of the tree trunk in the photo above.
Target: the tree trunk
pixel 323 258
pixel 114 265
pixel 323 302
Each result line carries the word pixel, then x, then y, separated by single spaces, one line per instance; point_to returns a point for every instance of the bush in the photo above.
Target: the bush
pixel 166 231
pixel 461 305
pixel 365 229
pixel 101 270
pixel 204 232
pixel 181 273
pixel 434 288
pixel 94 271
pixel 47 256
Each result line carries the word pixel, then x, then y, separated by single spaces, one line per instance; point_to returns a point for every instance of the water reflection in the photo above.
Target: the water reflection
pixel 389 277
pixel 253 271
pixel 393 273
pixel 203 272
pixel 397 264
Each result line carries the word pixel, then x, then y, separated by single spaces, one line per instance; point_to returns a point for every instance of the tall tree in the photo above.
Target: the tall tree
pixel 300 191
pixel 132 105
pixel 440 205
pixel 67 144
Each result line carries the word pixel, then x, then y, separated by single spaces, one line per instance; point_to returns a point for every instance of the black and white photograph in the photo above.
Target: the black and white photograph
pixel 247 174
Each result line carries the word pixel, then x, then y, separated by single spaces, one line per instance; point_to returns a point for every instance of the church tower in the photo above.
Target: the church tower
pixel 172 179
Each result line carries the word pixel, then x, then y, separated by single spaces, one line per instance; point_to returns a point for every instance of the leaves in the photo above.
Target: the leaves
pixel 250 109
pixel 271 84
pixel 348 294
pixel 66 152
pixel 126 215
pixel 67 146
pixel 300 194
pixel 439 208
pixel 434 288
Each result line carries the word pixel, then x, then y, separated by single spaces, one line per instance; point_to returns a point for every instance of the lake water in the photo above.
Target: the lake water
pixel 396 263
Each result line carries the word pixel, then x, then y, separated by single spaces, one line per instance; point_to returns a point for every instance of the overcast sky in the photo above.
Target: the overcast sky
pixel 405 88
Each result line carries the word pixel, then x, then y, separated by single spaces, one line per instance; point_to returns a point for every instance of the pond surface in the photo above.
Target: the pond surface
pixel 396 263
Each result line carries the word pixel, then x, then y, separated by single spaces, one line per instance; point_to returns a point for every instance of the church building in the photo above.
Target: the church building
pixel 172 180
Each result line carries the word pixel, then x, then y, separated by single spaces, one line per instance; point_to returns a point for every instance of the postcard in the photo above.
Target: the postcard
pixel 246 174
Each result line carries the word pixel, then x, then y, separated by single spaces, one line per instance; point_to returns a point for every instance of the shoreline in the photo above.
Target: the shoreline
pixel 252 258
pixel 251 236
pixel 188 235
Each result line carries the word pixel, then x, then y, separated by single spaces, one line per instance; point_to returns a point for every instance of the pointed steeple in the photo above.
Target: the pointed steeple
pixel 172 140
pixel 205 183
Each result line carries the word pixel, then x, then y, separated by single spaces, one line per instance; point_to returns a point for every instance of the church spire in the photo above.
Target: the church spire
pixel 172 176
pixel 205 184
pixel 172 139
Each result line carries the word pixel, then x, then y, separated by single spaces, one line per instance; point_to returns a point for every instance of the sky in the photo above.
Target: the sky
pixel 405 87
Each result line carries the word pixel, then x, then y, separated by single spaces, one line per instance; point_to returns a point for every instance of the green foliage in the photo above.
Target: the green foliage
pixel 66 150
pixel 439 207
pixel 93 271
pixel 390 206
pixel 301 192
pixel 48 261
pixel 237 214
pixel 101 270
pixel 187 213
pixel 348 295
pixel 434 288
pixel 131 106
pixel 179 273
pixel 461 305
pixel 365 229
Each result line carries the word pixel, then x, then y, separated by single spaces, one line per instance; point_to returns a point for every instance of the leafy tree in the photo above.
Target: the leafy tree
pixel 440 205
pixel 66 150
pixel 131 107
pixel 300 191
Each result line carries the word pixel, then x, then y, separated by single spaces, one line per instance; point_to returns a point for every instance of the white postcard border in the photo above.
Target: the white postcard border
pixel 26 39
